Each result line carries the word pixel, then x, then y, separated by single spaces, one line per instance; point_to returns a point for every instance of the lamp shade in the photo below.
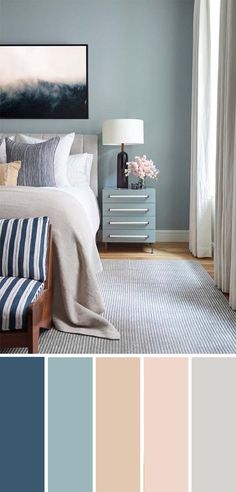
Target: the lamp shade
pixel 122 131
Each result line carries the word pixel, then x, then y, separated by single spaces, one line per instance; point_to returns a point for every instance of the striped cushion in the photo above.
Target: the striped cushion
pixel 23 248
pixel 37 161
pixel 16 294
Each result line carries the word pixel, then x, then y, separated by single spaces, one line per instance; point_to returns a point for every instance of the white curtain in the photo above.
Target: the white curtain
pixel 203 141
pixel 225 227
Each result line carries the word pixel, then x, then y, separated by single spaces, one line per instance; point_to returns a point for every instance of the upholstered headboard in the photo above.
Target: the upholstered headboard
pixel 82 143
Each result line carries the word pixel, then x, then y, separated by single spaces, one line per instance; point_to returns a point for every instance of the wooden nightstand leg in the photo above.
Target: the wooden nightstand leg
pixel 152 250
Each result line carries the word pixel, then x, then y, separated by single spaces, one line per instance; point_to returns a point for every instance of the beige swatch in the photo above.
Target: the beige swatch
pixel 165 425
pixel 9 173
pixel 118 425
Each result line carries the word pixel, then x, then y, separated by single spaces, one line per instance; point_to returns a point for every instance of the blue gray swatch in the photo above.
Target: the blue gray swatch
pixel 70 425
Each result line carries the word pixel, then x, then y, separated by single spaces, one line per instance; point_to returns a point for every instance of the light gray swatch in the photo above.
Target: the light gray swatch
pixel 214 425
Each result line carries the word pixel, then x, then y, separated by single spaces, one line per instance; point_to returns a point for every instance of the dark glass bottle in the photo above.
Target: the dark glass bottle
pixel 122 159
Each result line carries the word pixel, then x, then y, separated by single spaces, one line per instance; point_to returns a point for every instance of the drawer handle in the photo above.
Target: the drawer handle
pixel 113 222
pixel 129 236
pixel 129 196
pixel 128 209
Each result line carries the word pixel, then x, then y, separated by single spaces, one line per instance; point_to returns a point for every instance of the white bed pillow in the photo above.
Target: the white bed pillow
pixel 79 169
pixel 3 152
pixel 61 155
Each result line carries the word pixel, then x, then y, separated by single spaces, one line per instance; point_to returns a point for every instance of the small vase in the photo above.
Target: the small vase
pixel 141 183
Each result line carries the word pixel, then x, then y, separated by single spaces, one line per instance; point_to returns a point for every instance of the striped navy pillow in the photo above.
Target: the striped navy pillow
pixel 16 296
pixel 23 248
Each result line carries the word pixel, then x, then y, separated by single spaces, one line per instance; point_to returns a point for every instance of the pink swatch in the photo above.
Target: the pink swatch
pixel 166 425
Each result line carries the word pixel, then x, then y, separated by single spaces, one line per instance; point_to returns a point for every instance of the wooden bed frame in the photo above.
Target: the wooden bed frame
pixel 39 314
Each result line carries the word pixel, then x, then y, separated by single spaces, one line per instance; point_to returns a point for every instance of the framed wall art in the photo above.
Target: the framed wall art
pixel 44 81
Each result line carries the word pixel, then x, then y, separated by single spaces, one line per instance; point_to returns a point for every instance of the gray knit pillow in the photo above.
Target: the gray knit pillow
pixel 37 161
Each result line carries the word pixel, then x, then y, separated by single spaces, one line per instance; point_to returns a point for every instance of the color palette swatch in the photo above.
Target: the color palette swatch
pixel 166 424
pixel 118 424
pixel 22 424
pixel 136 424
pixel 70 424
pixel 214 425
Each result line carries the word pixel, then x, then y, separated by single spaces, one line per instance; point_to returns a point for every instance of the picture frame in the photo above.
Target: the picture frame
pixel 44 81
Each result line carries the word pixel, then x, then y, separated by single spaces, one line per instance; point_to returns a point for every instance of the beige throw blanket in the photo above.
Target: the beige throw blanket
pixel 77 301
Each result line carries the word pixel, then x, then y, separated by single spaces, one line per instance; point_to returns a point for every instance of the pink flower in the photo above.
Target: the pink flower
pixel 142 168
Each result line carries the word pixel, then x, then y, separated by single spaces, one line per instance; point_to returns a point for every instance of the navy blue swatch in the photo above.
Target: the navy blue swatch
pixel 22 424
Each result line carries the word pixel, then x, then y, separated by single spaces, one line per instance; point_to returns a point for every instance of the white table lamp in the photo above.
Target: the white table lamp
pixel 122 132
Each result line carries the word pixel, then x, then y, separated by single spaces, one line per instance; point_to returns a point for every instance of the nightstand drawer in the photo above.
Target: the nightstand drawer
pixel 129 223
pixel 124 236
pixel 128 210
pixel 129 196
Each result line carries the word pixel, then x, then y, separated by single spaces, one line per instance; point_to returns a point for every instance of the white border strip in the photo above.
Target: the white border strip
pixel 189 424
pixel 141 424
pixel 128 356
pixel 46 424
pixel 94 424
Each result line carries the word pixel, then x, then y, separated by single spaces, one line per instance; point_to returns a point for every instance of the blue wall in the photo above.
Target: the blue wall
pixel 140 60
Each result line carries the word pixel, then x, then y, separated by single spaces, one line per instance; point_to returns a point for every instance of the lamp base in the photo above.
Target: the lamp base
pixel 122 180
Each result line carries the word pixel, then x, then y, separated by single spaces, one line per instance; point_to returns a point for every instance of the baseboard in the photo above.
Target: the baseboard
pixel 172 236
pixel 164 236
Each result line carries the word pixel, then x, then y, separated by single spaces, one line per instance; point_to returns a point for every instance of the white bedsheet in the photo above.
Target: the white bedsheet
pixel 85 195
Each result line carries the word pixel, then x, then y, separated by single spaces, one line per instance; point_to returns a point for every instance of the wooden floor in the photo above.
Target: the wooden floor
pixel 161 251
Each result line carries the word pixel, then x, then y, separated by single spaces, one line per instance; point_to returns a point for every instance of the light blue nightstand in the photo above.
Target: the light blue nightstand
pixel 129 216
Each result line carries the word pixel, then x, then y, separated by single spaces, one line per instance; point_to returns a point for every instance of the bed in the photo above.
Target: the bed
pixel 74 215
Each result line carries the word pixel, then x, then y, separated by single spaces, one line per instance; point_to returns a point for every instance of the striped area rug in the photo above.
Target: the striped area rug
pixel 159 306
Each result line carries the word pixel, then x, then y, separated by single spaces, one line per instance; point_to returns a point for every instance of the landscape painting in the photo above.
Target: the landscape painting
pixel 44 81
